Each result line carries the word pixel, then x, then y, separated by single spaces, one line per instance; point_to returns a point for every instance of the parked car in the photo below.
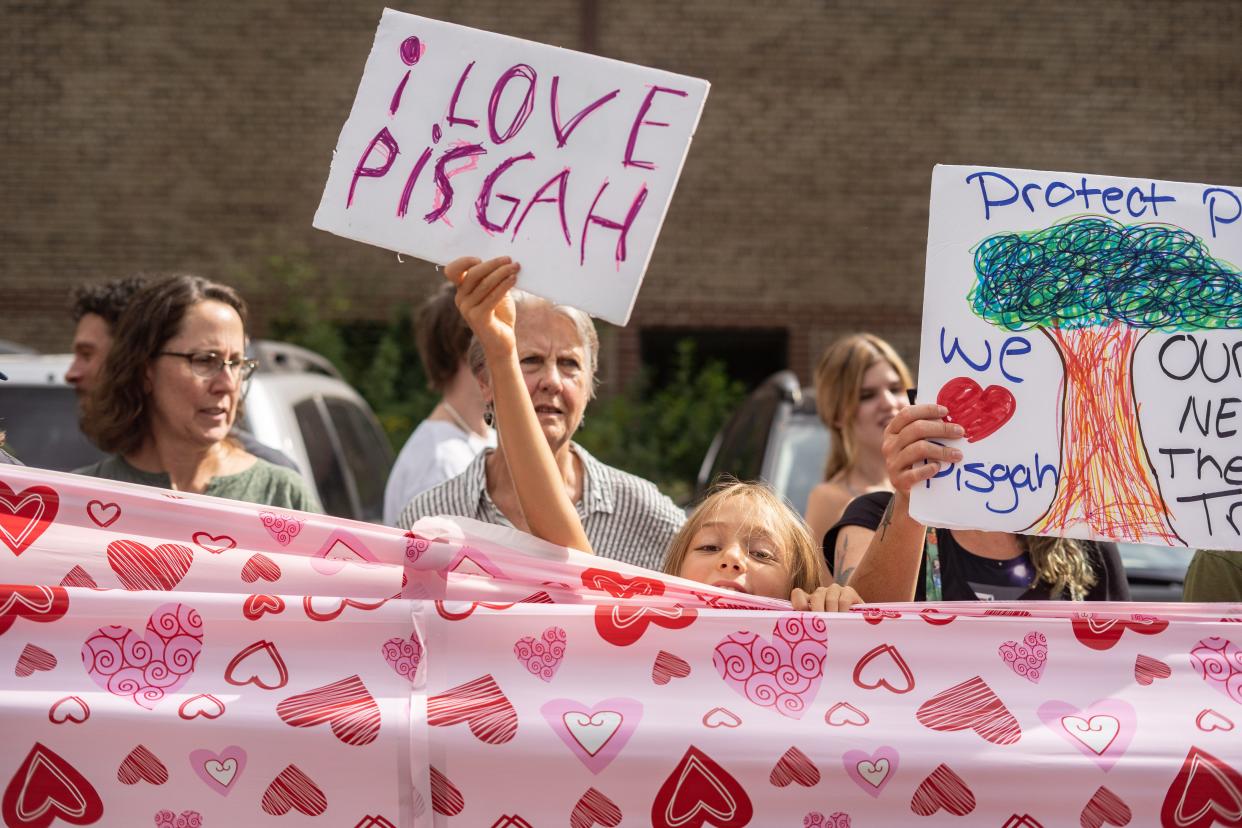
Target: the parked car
pixel 297 403
pixel 776 436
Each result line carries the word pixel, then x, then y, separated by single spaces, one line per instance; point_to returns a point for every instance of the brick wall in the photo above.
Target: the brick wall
pixel 145 135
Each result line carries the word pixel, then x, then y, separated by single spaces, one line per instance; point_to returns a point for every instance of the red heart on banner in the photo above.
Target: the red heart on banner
pixel 593 808
pixel 45 788
pixel 942 789
pixel 1148 669
pixel 481 705
pixel 668 667
pixel 875 668
pixel 34 658
pixel 215 544
pixel 979 411
pixel 294 790
pixel 346 706
pixel 618 585
pixel 971 705
pixel 1204 792
pixel 269 673
pixel 78 577
pixel 141 567
pixel 141 765
pixel 1103 633
pixel 260 566
pixel 25 515
pixel 699 791
pixel 1105 807
pixel 622 625
pixel 69 709
pixel 36 603
pixel 103 514
pixel 445 798
pixel 256 605
pixel 204 704
pixel 794 766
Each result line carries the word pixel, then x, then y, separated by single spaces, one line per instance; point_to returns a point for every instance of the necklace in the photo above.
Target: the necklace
pixel 459 420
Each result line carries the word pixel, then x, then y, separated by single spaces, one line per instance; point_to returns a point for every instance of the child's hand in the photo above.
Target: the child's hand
pixel 484 301
pixel 831 598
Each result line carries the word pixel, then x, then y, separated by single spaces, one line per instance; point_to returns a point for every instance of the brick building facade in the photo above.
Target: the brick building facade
pixel 143 135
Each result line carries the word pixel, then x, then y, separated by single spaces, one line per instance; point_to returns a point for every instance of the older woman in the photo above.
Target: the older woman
pixel 625 517
pixel 169 395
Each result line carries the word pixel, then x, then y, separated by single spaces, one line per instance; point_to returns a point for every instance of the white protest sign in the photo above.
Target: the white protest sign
pixel 463 142
pixel 1086 331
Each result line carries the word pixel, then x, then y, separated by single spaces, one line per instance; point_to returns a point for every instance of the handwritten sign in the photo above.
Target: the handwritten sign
pixel 464 142
pixel 1086 331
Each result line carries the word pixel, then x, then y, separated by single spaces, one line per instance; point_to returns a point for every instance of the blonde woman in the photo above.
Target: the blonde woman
pixel 906 560
pixel 860 385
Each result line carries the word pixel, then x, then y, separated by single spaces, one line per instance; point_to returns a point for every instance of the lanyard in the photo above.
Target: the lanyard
pixel 931 579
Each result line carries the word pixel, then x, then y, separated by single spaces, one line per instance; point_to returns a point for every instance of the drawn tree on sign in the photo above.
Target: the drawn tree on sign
pixel 1095 288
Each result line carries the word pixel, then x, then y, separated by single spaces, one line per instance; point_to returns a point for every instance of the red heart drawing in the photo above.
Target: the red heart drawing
pixel 875 667
pixel 979 412
pixel 844 713
pixel 622 625
pixel 346 706
pixel 937 617
pixel 593 808
pixel 141 567
pixel 141 765
pixel 698 791
pixel 37 603
pixel 794 766
pixel 618 585
pixel 1209 720
pixel 1204 792
pixel 103 514
pixel 1022 821
pixel 876 616
pixel 34 658
pixel 481 704
pixel 78 577
pixel 204 704
pixel 256 605
pixel 146 668
pixel 266 668
pixel 375 821
pixel 165 818
pixel 1102 633
pixel 942 789
pixel 1104 807
pixel 1148 669
pixel 721 717
pixel 215 544
pixel 971 705
pixel 511 821
pixel 668 667
pixel 445 798
pixel 69 709
pixel 316 614
pixel 46 788
pixel 293 790
pixel 25 515
pixel 260 566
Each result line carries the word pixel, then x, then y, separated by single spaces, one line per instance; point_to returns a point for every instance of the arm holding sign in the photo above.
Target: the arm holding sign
pixel 888 572
pixel 484 301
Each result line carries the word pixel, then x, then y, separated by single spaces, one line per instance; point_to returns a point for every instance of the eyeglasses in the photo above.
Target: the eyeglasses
pixel 207 364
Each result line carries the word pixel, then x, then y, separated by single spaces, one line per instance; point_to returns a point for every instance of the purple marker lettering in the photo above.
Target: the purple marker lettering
pixel 562 135
pixel 623 226
pixel 639 123
pixel 485 194
pixel 562 178
pixel 396 96
pixel 390 150
pixel 452 110
pixel 404 204
pixel 411 50
pixel 528 74
pixel 443 184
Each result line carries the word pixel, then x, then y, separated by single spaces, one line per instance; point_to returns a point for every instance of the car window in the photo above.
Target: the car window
pixel 367 455
pixel 326 466
pixel 800 452
pixel 744 439
pixel 42 427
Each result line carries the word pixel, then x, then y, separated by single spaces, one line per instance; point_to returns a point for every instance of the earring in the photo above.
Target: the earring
pixel 489 414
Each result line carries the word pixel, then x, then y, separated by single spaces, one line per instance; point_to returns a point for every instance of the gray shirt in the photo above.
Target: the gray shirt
pixel 625 517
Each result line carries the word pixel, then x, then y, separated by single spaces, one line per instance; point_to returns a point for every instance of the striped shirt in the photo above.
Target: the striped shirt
pixel 625 517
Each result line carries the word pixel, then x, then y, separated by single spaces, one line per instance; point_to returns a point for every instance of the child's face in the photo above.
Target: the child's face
pixel 734 550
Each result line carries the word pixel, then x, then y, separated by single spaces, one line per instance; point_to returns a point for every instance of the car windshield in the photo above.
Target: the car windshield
pixel 800 454
pixel 1145 556
pixel 42 427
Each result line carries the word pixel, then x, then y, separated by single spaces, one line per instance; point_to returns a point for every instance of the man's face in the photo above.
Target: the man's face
pixel 91 342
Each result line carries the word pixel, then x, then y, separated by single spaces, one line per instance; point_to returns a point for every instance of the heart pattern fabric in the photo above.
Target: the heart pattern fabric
pixel 26 515
pixel 1028 657
pixel 139 566
pixel 1218 661
pixel 783 674
pixel 541 656
pixel 148 667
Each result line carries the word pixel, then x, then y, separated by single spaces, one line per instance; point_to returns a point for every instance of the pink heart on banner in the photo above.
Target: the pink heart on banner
pixel 339 549
pixel 283 528
pixel 219 771
pixel 541 656
pixel 1102 730
pixel 186 819
pixel 403 655
pixel 1218 661
pixel 1027 658
pixel 145 668
pixel 594 733
pixel 783 674
pixel 871 771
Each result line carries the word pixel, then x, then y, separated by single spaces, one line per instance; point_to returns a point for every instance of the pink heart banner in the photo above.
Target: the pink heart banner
pixel 464 674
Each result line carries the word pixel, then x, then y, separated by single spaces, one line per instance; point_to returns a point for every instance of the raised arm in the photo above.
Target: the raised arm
pixel 484 301
pixel 889 570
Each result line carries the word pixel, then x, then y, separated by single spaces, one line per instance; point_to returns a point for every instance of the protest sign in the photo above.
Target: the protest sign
pixel 463 142
pixel 1086 331
pixel 182 661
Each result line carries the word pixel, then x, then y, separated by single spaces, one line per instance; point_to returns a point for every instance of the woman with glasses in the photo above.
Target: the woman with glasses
pixel 170 392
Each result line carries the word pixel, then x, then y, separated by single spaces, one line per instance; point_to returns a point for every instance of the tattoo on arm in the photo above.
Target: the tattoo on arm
pixel 887 520
pixel 844 577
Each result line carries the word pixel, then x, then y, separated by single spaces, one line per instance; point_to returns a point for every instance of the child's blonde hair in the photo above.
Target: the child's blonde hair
pixel 802 556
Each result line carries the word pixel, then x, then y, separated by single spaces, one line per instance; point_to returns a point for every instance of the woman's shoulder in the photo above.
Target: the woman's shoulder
pixel 831 495
pixel 273 485
pixel 628 491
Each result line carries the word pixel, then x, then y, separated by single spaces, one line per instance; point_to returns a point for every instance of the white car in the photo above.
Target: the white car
pixel 297 403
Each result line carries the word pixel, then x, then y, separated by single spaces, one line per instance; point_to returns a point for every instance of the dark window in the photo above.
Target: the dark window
pixel 320 447
pixel 744 439
pixel 367 454
pixel 42 426
pixel 749 354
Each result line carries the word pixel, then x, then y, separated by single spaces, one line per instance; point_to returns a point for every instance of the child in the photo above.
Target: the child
pixel 742 537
